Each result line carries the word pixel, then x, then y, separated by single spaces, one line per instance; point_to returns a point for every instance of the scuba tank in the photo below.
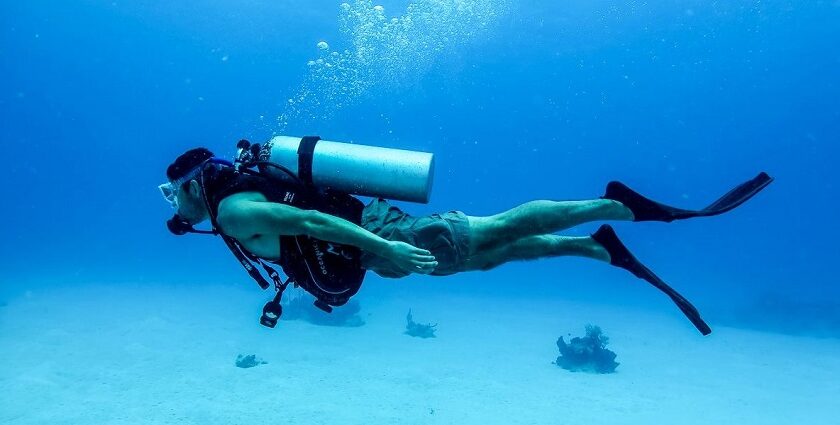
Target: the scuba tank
pixel 355 169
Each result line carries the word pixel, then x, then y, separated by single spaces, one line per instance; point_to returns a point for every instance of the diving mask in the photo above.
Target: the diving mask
pixel 169 190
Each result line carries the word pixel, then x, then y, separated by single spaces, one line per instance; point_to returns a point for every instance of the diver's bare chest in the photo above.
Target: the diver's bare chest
pixel 262 246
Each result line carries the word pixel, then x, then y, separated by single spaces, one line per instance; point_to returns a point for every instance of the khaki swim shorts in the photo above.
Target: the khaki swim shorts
pixel 446 236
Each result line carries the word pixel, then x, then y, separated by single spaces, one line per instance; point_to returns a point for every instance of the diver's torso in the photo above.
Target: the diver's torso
pixel 271 247
pixel 263 246
pixel 331 272
pixel 267 247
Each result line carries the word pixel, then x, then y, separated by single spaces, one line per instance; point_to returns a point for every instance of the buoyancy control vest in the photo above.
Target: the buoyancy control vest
pixel 331 272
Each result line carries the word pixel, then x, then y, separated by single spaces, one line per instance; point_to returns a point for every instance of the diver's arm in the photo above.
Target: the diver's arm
pixel 247 218
pixel 336 229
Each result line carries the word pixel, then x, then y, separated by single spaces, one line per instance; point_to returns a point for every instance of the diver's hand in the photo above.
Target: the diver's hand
pixel 411 259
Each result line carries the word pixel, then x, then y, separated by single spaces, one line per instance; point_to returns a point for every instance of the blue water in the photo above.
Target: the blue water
pixel 543 100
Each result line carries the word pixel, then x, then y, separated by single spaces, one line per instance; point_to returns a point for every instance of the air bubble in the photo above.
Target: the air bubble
pixel 382 54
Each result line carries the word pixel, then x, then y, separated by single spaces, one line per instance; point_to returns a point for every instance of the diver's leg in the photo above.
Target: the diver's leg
pixel 539 218
pixel 533 247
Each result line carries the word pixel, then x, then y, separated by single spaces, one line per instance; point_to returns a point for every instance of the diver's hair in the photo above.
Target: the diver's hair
pixel 186 162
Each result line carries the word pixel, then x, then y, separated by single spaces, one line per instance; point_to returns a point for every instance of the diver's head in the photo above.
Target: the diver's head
pixel 183 191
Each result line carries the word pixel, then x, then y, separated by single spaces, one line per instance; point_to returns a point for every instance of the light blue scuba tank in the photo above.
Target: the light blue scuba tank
pixel 356 169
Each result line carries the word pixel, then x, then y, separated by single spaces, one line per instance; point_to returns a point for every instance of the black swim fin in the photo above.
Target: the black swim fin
pixel 620 256
pixel 645 209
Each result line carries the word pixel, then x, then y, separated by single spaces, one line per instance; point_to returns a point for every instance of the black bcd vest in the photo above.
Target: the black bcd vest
pixel 331 272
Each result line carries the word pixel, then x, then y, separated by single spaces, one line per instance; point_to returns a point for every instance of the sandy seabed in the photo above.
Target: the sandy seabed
pixel 154 354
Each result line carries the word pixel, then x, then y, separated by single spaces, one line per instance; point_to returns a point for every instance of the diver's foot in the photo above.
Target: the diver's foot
pixel 618 254
pixel 641 208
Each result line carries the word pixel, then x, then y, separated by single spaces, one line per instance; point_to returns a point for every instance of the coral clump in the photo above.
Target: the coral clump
pixel 587 354
pixel 419 330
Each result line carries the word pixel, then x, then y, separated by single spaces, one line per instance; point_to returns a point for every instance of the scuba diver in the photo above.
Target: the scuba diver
pixel 325 239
